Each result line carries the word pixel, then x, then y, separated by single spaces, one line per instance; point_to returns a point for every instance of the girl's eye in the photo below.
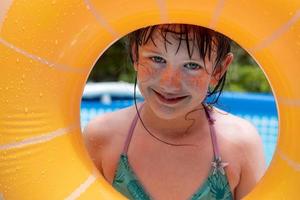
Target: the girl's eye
pixel 192 66
pixel 157 59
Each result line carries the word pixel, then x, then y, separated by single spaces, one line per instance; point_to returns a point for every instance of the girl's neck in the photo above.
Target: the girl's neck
pixel 176 127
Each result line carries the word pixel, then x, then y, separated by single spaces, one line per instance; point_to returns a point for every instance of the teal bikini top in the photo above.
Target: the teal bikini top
pixel 216 185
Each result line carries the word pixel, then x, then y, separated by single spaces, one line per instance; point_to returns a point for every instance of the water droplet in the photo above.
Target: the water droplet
pixel 53 2
pixel 26 110
pixel 18 60
pixel 6 87
pixel 56 42
pixel 41 94
pixel 23 76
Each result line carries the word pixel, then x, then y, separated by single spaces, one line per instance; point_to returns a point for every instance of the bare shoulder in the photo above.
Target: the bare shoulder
pixel 236 129
pixel 105 127
pixel 103 131
pixel 243 144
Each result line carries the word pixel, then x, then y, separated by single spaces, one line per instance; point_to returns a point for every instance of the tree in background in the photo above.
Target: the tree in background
pixel 243 76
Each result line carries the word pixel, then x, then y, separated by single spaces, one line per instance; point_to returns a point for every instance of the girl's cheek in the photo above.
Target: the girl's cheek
pixel 194 82
pixel 146 73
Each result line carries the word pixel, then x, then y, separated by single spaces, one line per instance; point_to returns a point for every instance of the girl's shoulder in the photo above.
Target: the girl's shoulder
pixel 109 125
pixel 241 146
pixel 107 131
pixel 234 127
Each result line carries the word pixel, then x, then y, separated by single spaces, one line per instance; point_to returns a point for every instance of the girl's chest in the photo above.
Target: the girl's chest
pixel 169 172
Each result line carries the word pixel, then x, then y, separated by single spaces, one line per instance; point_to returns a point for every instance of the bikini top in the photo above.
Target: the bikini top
pixel 216 186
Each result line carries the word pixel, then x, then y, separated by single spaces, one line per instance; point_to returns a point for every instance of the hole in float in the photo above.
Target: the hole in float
pixel 246 94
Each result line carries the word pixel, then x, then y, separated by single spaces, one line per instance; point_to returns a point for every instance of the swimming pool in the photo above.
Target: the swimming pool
pixel 259 109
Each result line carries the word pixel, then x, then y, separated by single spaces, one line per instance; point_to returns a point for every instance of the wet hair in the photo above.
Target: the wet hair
pixel 206 40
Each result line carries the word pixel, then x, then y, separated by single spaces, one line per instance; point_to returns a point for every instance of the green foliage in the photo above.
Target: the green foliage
pixel 244 75
pixel 113 65
pixel 246 78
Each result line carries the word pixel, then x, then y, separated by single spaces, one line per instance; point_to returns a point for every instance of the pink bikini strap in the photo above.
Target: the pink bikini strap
pixel 130 131
pixel 211 122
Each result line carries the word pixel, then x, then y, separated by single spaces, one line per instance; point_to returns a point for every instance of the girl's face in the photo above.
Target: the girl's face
pixel 165 73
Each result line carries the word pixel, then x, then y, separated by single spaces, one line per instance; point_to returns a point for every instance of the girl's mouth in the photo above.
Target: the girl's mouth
pixel 169 100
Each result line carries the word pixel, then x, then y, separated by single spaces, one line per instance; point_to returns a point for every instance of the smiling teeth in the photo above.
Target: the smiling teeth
pixel 169 98
pixel 172 98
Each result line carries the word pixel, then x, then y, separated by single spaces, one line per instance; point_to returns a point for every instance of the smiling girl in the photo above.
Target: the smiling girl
pixel 175 145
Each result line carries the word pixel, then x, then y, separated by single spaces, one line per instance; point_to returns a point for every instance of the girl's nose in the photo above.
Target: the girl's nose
pixel 170 80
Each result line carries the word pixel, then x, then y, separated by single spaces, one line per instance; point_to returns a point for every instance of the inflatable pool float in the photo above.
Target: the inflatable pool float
pixel 48 48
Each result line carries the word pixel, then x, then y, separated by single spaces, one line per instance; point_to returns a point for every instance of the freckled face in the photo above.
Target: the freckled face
pixel 172 73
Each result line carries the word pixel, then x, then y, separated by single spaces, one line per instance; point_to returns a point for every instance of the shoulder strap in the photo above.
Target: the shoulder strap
pixel 130 131
pixel 211 122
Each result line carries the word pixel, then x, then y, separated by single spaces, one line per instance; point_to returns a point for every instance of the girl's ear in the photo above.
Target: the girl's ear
pixel 219 72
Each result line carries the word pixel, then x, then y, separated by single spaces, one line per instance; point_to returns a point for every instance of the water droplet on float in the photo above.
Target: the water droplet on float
pixel 26 110
pixel 23 76
pixel 41 94
pixel 53 2
pixel 18 60
pixel 56 42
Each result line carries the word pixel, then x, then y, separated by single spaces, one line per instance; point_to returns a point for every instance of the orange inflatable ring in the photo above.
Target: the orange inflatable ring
pixel 47 49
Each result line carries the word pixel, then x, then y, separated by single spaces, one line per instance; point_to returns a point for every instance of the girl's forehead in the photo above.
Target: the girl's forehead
pixel 167 40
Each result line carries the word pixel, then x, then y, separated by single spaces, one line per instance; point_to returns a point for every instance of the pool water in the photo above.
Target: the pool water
pixel 259 109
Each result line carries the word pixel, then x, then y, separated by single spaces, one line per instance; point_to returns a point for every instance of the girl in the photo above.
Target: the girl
pixel 175 145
